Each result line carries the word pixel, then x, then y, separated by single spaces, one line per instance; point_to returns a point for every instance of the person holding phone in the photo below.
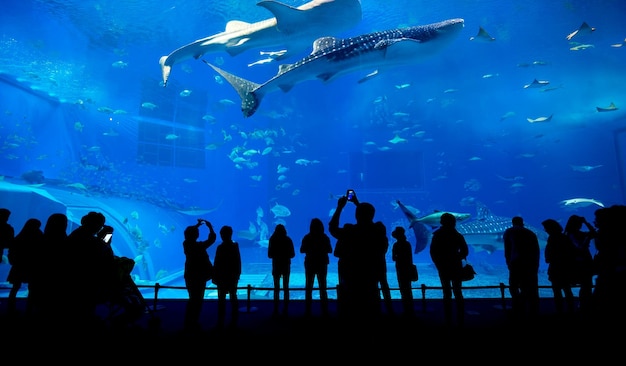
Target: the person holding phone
pixel 197 267
pixel 359 249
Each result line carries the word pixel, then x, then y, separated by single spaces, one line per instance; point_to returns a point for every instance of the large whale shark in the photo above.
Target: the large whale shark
pixel 291 28
pixel 484 233
pixel 332 57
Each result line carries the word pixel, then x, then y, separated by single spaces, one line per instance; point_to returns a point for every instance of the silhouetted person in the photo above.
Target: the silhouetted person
pixel 560 254
pixel 227 270
pixel 583 270
pixel 448 249
pixel 44 293
pixel 521 252
pixel 198 270
pixel 609 294
pixel 7 233
pixel 383 283
pixel 359 247
pixel 280 249
pixel 316 247
pixel 21 260
pixel 402 255
pixel 90 264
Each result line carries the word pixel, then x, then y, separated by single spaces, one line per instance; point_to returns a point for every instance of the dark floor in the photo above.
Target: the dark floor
pixel 159 334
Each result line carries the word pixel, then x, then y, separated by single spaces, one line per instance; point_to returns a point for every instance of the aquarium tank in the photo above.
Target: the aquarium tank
pixel 255 113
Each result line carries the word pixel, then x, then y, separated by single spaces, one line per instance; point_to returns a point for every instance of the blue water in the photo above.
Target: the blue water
pixel 82 101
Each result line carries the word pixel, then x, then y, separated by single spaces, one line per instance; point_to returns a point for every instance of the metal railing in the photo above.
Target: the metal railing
pixel 422 288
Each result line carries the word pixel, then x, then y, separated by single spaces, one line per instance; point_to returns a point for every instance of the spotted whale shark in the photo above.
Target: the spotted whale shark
pixel 291 27
pixel 483 233
pixel 332 57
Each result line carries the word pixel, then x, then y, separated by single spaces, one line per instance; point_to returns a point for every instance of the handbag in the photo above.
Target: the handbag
pixel 414 273
pixel 467 272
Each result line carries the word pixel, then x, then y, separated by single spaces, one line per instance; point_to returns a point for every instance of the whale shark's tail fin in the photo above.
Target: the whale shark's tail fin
pixel 421 231
pixel 246 89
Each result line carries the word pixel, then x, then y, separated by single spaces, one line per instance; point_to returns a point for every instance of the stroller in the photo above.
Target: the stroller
pixel 126 303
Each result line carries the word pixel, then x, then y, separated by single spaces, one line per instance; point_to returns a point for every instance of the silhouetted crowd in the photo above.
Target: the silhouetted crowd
pixel 82 266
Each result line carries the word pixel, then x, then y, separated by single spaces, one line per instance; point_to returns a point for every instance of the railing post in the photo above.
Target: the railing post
pixel 423 297
pixel 156 296
pixel 248 301
pixel 502 296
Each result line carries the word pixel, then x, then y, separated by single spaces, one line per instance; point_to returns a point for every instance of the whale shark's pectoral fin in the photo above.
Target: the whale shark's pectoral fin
pixel 326 76
pixel 400 47
pixel 368 76
pixel 165 69
pixel 285 87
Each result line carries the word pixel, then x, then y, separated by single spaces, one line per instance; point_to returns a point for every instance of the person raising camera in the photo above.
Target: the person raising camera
pixel 198 270
pixel 359 247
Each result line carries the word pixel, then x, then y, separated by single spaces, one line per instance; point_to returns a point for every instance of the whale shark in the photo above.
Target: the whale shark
pixel 484 233
pixel 291 27
pixel 420 224
pixel 332 57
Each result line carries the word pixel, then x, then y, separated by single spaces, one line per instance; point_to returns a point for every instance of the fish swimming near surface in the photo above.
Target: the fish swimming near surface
pixel 420 225
pixel 610 108
pixel 292 28
pixel 333 57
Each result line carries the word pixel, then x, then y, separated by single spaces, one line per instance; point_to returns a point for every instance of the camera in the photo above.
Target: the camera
pixel 350 194
pixel 107 238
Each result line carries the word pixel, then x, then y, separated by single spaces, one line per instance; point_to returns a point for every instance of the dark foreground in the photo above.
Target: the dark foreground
pixel 489 330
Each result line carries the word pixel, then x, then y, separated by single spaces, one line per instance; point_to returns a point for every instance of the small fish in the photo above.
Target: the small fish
pixel 581 47
pixel 280 211
pixel 507 115
pixel 539 119
pixel 171 136
pixel 482 36
pixel 585 168
pixel 261 61
pixel 119 64
pixel 397 139
pixel 185 93
pixel 148 105
pixel 610 108
pixel 582 30
pixel 537 84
